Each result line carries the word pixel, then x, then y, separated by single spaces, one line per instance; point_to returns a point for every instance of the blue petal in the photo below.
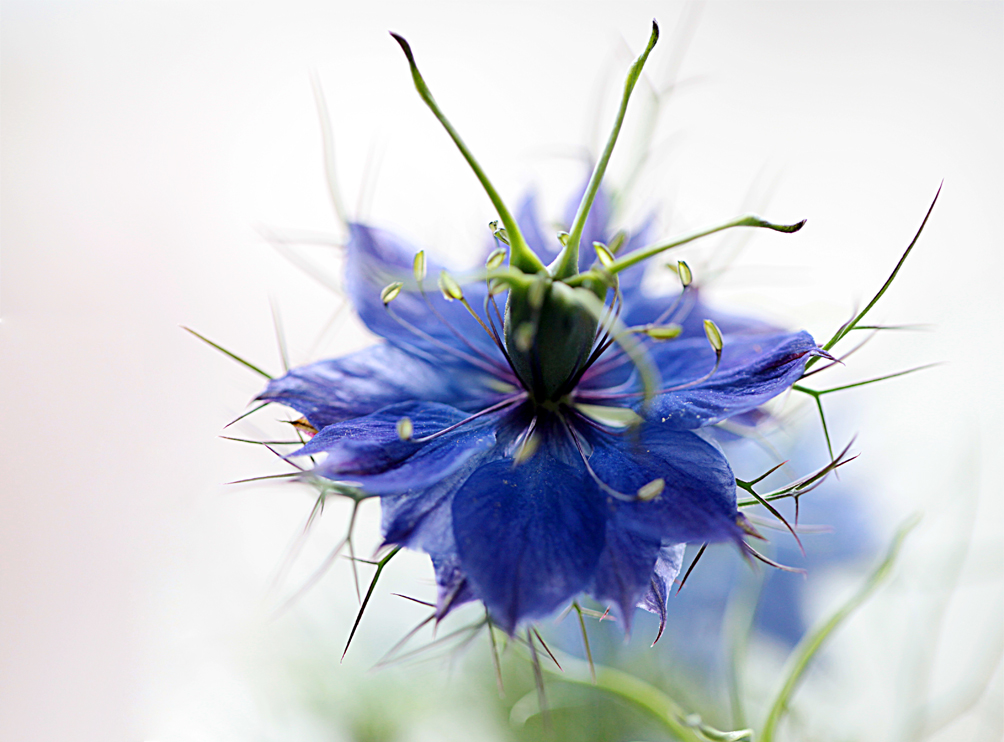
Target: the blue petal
pixel 667 567
pixel 454 589
pixel 624 571
pixel 368 453
pixel 529 224
pixel 330 391
pixel 698 502
pixel 529 538
pixel 691 311
pixel 753 370
pixel 377 258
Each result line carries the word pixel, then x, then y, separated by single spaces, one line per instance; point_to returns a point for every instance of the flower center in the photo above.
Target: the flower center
pixel 548 336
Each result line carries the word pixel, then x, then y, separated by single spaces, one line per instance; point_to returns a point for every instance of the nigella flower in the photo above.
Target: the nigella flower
pixel 537 429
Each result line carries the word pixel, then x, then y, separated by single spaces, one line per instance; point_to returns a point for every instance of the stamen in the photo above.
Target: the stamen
pixel 526 443
pixel 714 337
pixel 492 366
pixel 600 483
pixel 421 290
pixel 497 406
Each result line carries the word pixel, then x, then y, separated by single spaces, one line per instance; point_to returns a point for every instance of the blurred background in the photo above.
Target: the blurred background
pixel 149 148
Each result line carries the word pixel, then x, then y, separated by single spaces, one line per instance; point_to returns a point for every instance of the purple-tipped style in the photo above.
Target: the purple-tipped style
pixel 529 483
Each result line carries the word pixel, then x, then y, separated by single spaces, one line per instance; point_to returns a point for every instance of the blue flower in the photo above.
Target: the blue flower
pixel 530 464
pixel 551 447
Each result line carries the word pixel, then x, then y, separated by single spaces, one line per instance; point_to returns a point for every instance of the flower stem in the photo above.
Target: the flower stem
pixel 811 643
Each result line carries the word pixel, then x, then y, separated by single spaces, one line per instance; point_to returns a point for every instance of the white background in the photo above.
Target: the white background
pixel 142 143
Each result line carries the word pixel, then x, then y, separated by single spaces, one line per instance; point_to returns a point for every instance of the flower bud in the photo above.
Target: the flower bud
pixel 390 292
pixel 563 238
pixel 449 286
pixel 524 337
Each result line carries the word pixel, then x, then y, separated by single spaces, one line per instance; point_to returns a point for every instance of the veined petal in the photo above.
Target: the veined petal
pixel 338 389
pixel 368 452
pixel 641 309
pixel 753 370
pixel 698 502
pixel 454 589
pixel 377 258
pixel 667 567
pixel 624 571
pixel 528 537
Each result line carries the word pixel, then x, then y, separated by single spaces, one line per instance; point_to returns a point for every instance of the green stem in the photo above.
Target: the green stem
pixel 521 255
pixel 813 641
pixel 568 262
pixel 644 253
pixel 643 695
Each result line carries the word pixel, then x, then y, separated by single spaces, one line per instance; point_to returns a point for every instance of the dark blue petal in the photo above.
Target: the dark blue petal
pixel 753 370
pixel 689 313
pixel 624 571
pixel 377 258
pixel 699 499
pixel 529 537
pixel 454 589
pixel 422 518
pixel 368 453
pixel 330 391
pixel 613 368
pixel 667 567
